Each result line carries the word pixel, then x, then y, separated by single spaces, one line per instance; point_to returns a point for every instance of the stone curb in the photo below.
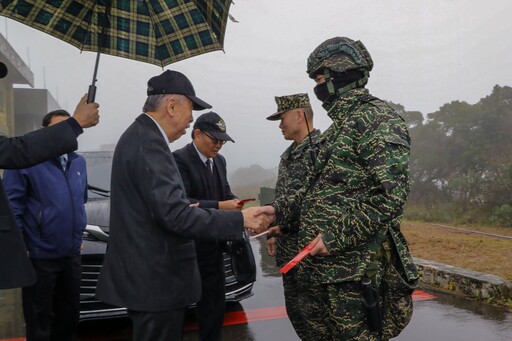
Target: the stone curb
pixel 464 282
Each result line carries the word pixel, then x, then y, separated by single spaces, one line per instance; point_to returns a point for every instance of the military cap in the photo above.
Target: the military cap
pixel 290 102
pixel 212 123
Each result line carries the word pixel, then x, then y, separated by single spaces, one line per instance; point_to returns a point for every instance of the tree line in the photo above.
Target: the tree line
pixel 461 161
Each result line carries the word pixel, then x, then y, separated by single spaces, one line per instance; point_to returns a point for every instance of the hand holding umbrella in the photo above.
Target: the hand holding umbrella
pixel 86 114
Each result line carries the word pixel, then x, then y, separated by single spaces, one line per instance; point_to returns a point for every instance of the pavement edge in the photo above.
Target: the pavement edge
pixel 473 284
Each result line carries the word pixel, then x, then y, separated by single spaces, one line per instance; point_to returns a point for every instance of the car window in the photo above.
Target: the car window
pixel 99 165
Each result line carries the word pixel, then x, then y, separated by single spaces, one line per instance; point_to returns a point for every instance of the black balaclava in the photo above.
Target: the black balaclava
pixel 339 81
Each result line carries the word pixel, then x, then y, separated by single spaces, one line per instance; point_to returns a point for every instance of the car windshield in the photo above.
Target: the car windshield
pixel 99 165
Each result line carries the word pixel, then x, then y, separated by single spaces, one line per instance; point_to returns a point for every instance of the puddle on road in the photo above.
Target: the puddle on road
pixel 452 318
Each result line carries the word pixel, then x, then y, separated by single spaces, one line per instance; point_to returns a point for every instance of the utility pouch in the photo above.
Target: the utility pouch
pixel 399 280
pixel 371 305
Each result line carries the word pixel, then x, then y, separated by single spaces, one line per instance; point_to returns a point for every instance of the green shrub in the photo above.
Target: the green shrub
pixel 502 216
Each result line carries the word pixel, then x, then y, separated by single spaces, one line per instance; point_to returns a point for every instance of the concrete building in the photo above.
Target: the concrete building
pixel 21 109
pixel 30 106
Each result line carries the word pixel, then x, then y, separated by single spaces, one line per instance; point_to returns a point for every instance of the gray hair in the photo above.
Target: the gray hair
pixel 153 102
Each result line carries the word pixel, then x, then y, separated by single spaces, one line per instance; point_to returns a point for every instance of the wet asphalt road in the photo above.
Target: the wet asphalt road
pixel 261 317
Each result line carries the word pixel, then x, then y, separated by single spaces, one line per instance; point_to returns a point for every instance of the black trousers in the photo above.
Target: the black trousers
pixel 211 306
pixel 157 326
pixel 51 306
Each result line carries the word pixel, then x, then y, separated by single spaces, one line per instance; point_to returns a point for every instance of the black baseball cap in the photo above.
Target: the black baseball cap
pixel 174 82
pixel 213 124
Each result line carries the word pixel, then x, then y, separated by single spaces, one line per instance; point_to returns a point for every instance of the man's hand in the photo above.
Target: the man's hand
pixel 257 219
pixel 271 246
pixel 86 114
pixel 274 231
pixel 233 204
pixel 267 210
pixel 318 247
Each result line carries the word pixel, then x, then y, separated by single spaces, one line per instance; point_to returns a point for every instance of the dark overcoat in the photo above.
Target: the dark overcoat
pixel 150 264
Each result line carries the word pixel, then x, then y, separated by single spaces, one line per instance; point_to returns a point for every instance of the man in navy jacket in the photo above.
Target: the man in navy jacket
pixel 48 203
pixel 25 151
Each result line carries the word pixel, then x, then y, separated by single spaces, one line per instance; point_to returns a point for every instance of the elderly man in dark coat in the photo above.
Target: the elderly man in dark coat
pixel 150 266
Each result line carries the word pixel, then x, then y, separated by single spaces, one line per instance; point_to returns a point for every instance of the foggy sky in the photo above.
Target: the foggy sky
pixel 426 54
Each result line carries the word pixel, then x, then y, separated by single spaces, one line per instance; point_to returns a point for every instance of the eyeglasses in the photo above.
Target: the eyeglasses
pixel 214 140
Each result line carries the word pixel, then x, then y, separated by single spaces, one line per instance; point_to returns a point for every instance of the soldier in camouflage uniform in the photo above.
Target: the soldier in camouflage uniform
pixel 351 205
pixel 296 117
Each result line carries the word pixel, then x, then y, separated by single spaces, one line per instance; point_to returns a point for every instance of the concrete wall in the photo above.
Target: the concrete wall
pixel 21 109
pixel 490 288
pixel 17 73
pixel 6 108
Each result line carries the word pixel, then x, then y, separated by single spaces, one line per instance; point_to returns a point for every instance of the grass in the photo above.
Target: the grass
pixel 466 250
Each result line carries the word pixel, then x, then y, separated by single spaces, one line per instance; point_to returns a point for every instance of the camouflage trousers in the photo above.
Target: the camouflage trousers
pixel 334 312
pixel 291 295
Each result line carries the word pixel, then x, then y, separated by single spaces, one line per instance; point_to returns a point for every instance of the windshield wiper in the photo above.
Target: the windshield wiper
pixel 99 191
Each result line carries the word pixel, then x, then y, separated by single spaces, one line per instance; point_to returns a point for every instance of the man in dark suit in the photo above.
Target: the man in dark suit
pixel 26 151
pixel 150 266
pixel 203 171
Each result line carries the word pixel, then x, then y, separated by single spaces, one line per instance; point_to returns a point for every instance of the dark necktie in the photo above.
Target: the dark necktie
pixel 209 165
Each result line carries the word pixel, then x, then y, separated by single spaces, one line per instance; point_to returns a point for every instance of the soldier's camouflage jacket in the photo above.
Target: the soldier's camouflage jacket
pixel 295 163
pixel 356 190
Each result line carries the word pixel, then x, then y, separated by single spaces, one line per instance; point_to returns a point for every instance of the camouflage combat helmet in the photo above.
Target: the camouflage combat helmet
pixel 338 57
pixel 339 54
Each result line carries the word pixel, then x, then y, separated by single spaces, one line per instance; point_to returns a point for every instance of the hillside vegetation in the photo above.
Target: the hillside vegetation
pixel 461 162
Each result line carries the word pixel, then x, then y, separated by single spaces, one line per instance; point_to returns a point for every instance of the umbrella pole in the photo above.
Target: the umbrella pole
pixel 106 23
pixel 92 88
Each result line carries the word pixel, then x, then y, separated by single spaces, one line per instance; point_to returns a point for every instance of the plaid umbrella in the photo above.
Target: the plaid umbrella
pixel 154 31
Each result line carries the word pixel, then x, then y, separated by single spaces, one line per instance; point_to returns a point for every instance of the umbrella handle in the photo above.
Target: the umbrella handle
pixel 91 94
pixel 92 88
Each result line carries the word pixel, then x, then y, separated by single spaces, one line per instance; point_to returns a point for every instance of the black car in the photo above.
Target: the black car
pixel 239 262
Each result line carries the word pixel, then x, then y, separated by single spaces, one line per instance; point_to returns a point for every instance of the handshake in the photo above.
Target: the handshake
pixel 258 219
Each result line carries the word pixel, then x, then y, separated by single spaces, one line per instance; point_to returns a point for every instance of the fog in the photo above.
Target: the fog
pixel 426 54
